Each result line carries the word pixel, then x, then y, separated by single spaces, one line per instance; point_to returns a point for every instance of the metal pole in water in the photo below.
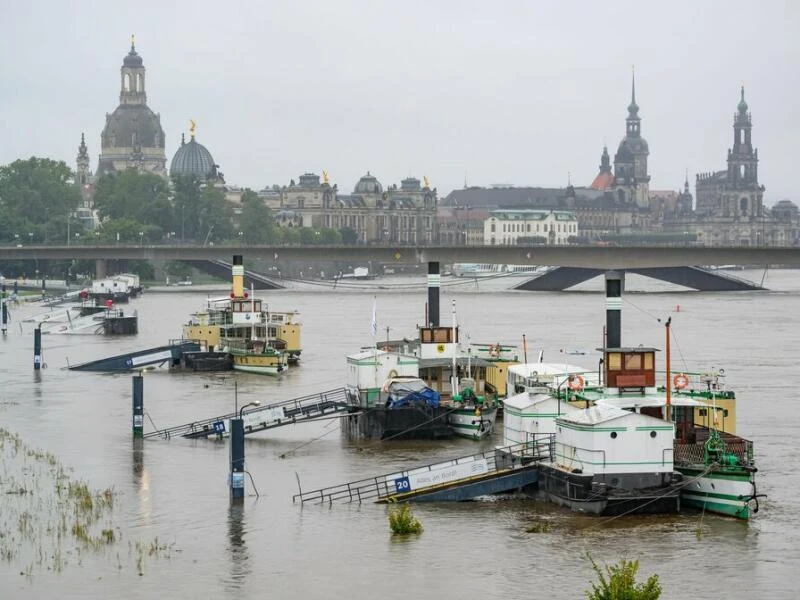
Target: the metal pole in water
pixel 37 348
pixel 138 406
pixel 237 459
pixel 4 310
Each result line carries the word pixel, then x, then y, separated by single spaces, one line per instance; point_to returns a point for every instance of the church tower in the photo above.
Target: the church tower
pixel 82 161
pixel 742 195
pixel 632 182
pixel 132 136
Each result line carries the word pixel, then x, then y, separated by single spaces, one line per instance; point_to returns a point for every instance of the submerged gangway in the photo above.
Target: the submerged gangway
pixel 498 470
pixel 287 412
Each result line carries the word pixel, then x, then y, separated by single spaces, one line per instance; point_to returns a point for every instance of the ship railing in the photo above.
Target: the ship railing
pixel 688 452
pixel 444 473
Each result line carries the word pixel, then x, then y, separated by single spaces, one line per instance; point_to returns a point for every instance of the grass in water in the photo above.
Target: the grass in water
pixel 403 522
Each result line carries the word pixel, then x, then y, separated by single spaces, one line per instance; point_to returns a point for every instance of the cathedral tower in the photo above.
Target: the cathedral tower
pixel 132 136
pixel 632 182
pixel 742 195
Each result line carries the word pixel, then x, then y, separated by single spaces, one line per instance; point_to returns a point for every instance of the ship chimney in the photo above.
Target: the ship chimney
pixel 434 279
pixel 237 273
pixel 614 284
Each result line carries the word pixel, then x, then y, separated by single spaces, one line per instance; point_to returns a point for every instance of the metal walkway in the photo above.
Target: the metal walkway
pixel 458 479
pixel 288 412
pixel 132 361
pixel 222 269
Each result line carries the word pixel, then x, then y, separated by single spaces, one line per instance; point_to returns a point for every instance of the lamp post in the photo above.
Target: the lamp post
pixel 141 238
pixel 30 238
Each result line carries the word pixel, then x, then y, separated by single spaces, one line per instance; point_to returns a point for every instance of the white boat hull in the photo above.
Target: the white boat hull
pixel 466 423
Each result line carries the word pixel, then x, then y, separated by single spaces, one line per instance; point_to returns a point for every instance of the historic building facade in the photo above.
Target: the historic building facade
pixel 132 136
pixel 514 227
pixel 403 215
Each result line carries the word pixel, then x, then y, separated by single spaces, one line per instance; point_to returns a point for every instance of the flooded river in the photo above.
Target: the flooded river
pixel 175 533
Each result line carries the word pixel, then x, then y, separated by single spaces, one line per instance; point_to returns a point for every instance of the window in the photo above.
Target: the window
pixel 633 362
pixel 614 361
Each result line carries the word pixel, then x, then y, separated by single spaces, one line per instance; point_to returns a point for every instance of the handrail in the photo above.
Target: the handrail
pixel 382 486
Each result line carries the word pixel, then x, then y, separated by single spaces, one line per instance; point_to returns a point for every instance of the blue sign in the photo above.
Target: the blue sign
pixel 402 485
pixel 237 480
pixel 219 427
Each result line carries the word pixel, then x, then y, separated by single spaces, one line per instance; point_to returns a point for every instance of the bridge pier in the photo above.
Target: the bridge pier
pixel 138 406
pixel 100 268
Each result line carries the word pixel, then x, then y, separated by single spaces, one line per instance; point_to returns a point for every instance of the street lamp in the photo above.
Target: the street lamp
pixel 141 238
pixel 241 233
pixel 253 403
pixel 30 237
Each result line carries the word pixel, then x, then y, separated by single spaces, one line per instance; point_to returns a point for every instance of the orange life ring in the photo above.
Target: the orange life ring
pixel 680 381
pixel 494 350
pixel 576 383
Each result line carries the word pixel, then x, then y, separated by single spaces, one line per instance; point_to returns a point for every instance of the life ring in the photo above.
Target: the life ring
pixel 680 381
pixel 576 383
pixel 494 350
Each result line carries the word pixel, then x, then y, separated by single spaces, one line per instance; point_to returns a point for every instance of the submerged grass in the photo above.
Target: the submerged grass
pixel 47 517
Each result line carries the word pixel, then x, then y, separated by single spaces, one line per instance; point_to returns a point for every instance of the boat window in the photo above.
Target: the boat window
pixel 633 362
pixel 614 361
pixel 649 361
pixel 613 435
pixel 652 434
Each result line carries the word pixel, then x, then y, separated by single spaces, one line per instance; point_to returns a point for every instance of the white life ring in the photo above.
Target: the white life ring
pixel 680 381
pixel 576 383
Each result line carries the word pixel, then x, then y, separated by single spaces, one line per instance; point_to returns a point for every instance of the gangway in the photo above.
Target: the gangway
pixel 133 361
pixel 287 412
pixel 464 478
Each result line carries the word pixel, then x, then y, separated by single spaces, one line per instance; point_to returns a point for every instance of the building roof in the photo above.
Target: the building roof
pixel 530 214
pixel 368 184
pixel 130 119
pixel 193 159
pixel 603 181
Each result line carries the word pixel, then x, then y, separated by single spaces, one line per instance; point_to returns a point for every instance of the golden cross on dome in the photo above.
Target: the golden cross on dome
pixel 192 127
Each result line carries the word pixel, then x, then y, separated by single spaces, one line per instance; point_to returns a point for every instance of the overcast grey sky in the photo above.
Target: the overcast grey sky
pixel 520 93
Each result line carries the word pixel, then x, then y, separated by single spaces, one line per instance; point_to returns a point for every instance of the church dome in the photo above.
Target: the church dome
pixel 742 104
pixel 132 59
pixel 193 159
pixel 132 125
pixel 631 146
pixel 368 185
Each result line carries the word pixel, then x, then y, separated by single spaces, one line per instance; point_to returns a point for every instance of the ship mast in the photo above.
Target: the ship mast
pixel 454 379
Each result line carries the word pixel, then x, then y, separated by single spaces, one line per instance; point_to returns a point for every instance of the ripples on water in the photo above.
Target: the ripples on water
pixel 176 490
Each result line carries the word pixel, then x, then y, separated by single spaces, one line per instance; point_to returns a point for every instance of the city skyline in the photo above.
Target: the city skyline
pixel 525 95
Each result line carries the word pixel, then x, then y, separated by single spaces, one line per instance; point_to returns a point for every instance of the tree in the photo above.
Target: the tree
pixel 256 222
pixel 186 201
pixel 349 236
pixel 130 194
pixel 32 193
pixel 621 583
pixel 215 216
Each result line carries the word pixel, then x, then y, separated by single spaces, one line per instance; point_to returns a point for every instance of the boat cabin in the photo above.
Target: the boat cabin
pixel 629 369
pixel 530 414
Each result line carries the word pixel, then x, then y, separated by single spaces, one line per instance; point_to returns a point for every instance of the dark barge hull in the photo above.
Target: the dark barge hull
pixel 207 361
pixel 633 494
pixel 407 423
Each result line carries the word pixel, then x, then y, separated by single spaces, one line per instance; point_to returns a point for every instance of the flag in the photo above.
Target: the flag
pixel 374 325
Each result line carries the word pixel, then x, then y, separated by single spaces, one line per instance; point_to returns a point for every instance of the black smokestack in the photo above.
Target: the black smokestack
pixel 614 284
pixel 434 279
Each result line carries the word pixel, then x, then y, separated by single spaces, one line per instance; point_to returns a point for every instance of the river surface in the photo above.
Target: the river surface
pixel 173 495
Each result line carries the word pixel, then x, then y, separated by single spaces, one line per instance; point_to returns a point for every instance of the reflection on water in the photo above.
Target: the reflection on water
pixel 240 568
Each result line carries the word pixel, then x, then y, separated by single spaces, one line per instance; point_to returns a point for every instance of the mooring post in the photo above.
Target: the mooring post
pixel 434 282
pixel 37 347
pixel 138 406
pixel 4 310
pixel 237 459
